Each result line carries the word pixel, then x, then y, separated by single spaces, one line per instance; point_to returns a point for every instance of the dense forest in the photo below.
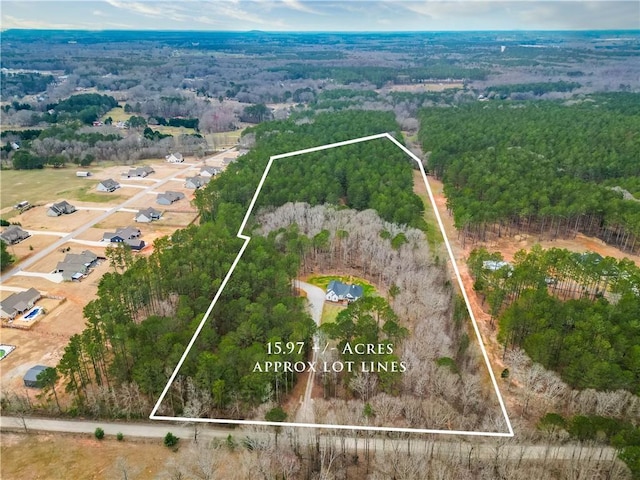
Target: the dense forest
pixel 144 316
pixel 553 302
pixel 373 174
pixel 161 298
pixel 547 168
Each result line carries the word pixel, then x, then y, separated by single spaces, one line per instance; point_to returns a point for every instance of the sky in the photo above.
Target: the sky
pixel 321 15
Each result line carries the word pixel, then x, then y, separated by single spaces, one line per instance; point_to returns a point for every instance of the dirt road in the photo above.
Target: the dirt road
pixel 315 296
pixel 504 449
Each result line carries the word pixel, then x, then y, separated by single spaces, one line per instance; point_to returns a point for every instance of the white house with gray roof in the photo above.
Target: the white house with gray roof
pixel 108 185
pixel 340 292
pixel 196 182
pixel 76 266
pixel 148 215
pixel 60 208
pixel 168 197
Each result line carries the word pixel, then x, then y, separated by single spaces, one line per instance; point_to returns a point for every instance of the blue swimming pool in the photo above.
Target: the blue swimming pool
pixel 33 313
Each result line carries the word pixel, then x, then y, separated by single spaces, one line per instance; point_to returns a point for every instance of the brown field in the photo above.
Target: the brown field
pixel 422 87
pixel 46 456
pixel 31 245
pixel 116 220
pixel 36 218
pixel 45 341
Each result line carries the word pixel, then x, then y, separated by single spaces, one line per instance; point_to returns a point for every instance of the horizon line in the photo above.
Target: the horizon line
pixel 348 32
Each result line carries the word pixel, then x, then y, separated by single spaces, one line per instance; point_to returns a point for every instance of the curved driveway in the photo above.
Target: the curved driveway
pixel 315 297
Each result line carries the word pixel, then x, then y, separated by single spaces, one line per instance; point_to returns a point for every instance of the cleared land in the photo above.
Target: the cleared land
pixel 82 458
pixel 45 340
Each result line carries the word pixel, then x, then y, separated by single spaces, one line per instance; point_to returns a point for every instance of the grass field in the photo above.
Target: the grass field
pixel 47 185
pixel 329 312
pixel 223 139
pixel 46 456
pixel 34 185
pixel 433 233
pixel 117 114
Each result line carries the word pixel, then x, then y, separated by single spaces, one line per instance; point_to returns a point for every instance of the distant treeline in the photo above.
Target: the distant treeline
pixel 381 75
pixel 543 167
pixel 20 84
pixel 538 88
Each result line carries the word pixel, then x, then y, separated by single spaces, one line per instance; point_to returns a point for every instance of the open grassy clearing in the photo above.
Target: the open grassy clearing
pixel 35 186
pixel 329 312
pixel 433 233
pixel 46 456
pixel 223 139
pixel 117 114
pixel 175 131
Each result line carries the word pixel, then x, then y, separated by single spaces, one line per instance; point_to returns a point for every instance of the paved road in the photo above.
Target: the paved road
pixel 453 448
pixel 315 296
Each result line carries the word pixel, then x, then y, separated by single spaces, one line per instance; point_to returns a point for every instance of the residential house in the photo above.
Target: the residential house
pixel 209 171
pixel 148 215
pixel 175 158
pixel 13 234
pixel 75 266
pixel 340 292
pixel 108 185
pixel 196 182
pixel 121 235
pixel 61 208
pixel 18 303
pixel 139 172
pixel 168 197
pixel 135 244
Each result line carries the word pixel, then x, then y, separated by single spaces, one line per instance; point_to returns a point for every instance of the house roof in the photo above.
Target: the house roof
pixel 125 233
pixel 170 196
pixel 345 291
pixel 135 243
pixel 177 156
pixel 197 181
pixel 18 301
pixel 85 258
pixel 210 170
pixel 32 374
pixel 13 233
pixel 63 207
pixel 150 213
pixel 110 183
pixel 70 268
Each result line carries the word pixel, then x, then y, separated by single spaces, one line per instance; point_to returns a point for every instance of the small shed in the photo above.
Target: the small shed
pixel 31 377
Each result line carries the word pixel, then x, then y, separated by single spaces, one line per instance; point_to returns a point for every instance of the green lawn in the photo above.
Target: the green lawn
pixel 117 114
pixel 329 312
pixel 35 186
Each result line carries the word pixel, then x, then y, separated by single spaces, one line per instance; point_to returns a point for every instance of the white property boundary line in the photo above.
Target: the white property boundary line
pixel 246 239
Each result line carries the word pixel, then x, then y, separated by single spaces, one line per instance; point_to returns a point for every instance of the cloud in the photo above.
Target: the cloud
pixel 301 6
pixel 9 21
pixel 168 10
